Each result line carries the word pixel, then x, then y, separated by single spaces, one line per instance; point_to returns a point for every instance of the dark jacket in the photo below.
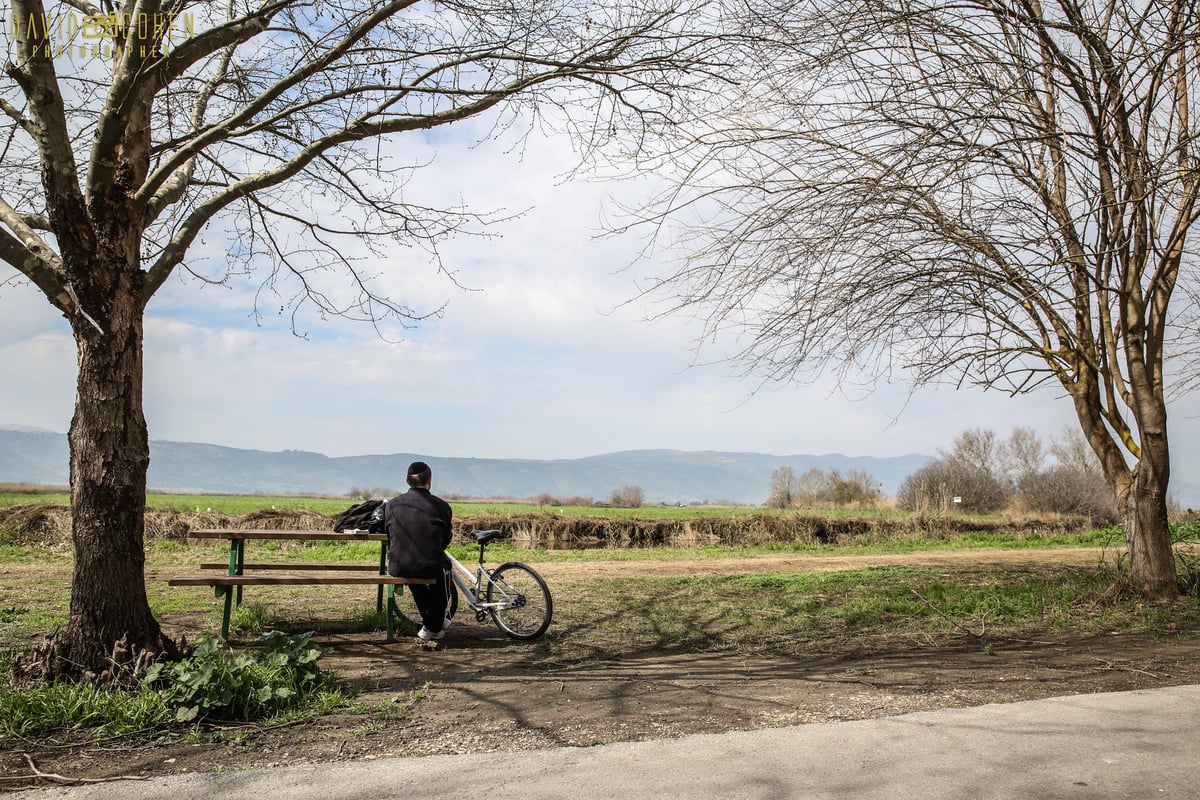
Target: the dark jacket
pixel 418 528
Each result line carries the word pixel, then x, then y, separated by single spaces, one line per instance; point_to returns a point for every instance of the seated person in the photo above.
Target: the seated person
pixel 418 528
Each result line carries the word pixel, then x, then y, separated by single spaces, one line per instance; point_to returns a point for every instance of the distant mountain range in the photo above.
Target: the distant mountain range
pixel 665 476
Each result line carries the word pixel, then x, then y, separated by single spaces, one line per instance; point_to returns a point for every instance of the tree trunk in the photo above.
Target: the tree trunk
pixel 1147 532
pixel 111 631
pixel 1141 493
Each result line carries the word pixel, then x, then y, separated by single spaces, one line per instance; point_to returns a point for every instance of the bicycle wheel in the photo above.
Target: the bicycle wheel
pixel 519 601
pixel 406 611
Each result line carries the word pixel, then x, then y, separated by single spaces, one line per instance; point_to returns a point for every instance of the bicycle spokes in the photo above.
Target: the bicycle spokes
pixel 519 601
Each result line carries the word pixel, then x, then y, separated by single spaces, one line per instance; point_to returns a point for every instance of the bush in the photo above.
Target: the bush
pixel 1185 538
pixel 1068 490
pixel 816 489
pixel 281 676
pixel 932 489
pixel 628 497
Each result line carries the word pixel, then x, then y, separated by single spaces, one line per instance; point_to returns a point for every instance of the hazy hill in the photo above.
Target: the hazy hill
pixel 31 456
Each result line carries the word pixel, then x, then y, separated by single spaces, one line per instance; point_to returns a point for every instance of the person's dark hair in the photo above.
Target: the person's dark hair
pixel 419 474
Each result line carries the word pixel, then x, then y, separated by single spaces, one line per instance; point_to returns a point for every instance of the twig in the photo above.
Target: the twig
pixel 941 614
pixel 50 776
pixel 1110 665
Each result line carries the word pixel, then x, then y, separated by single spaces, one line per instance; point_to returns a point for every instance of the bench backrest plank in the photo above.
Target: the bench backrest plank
pixel 290 580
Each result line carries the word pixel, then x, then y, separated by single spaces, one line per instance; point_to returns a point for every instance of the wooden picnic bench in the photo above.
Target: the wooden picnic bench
pixel 229 585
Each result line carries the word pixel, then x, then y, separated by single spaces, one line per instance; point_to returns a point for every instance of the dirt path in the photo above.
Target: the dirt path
pixel 1072 556
pixel 480 692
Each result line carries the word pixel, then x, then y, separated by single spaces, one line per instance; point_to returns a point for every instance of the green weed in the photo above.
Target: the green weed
pixel 32 710
pixel 277 683
pixel 249 618
pixel 282 676
pixel 387 711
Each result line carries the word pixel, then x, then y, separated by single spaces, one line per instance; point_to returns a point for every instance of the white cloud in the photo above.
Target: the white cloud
pixel 541 358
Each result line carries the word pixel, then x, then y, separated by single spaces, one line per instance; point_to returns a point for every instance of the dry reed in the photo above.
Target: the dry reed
pixel 50 526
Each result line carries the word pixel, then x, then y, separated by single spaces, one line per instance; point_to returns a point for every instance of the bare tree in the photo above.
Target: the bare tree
pixel 783 490
pixel 1076 484
pixel 994 192
pixel 1023 453
pixel 812 486
pixel 817 487
pixel 253 119
pixel 858 487
pixel 977 449
pixel 628 497
pixel 1071 449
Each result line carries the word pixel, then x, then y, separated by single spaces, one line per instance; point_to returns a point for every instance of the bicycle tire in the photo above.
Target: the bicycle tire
pixel 529 616
pixel 405 609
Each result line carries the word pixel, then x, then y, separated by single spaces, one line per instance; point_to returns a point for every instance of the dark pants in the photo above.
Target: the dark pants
pixel 432 599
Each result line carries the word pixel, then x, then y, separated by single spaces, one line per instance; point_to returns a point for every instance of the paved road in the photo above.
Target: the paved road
pixel 1126 745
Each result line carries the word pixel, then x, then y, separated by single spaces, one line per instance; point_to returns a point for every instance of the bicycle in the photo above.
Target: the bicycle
pixel 513 594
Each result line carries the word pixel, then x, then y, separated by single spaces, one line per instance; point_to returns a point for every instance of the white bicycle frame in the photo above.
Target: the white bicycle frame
pixel 472 586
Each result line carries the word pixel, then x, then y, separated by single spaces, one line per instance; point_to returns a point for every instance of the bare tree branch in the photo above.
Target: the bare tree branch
pixel 995 192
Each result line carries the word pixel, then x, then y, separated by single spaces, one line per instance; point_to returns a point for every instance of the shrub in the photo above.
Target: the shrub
pixel 628 497
pixel 932 489
pixel 1068 490
pixel 281 676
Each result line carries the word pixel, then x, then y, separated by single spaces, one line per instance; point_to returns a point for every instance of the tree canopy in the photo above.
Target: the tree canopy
pixel 993 192
pixel 134 129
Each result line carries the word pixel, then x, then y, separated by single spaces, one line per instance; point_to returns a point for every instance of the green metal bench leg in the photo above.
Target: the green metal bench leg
pixel 383 550
pixel 391 622
pixel 241 561
pixel 237 560
pixel 225 592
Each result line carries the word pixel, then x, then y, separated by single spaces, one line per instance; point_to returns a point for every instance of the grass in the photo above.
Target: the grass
pixel 224 504
pixel 34 597
pixel 279 681
pixel 504 551
pixel 654 512
pixel 801 614
pixel 105 712
pixel 791 614
pixel 245 504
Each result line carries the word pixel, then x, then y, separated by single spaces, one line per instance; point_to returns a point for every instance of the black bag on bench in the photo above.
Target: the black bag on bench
pixel 366 516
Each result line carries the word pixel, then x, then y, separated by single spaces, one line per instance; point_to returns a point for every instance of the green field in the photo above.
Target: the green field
pixel 245 504
pixel 218 503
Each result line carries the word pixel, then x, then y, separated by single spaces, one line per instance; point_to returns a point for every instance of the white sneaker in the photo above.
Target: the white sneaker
pixel 429 636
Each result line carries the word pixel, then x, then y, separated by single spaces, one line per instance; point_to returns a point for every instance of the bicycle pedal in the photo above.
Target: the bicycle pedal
pixel 481 616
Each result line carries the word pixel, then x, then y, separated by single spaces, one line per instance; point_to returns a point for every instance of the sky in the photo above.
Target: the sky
pixel 543 352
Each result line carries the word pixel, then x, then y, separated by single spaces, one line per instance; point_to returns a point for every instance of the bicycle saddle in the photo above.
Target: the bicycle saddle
pixel 484 537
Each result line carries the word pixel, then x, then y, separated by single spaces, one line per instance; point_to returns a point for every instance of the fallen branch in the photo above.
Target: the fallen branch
pixel 50 776
pixel 1110 665
pixel 943 615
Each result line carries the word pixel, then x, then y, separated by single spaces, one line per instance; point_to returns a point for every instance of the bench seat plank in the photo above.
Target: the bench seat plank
pixel 291 580
pixel 328 566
